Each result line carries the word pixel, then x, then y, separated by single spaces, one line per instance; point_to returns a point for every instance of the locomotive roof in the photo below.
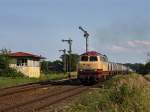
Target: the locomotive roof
pixel 91 53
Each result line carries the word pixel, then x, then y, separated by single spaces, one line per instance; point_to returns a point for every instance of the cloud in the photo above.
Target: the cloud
pixel 134 46
pixel 137 43
pixel 118 48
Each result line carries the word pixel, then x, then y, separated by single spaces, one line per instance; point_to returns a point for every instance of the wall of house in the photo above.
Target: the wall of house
pixel 31 70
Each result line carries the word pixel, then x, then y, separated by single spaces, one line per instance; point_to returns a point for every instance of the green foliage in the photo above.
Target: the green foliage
pixel 57 66
pixel 140 68
pixel 5 51
pixel 89 102
pixel 13 81
pixel 10 72
pixel 55 76
pixel 74 61
pixel 52 67
pixel 130 93
pixel 147 67
pixel 119 94
pixel 4 62
pixel 5 70
pixel 44 67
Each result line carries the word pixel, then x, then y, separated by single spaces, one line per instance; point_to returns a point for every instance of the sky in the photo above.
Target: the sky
pixel 118 28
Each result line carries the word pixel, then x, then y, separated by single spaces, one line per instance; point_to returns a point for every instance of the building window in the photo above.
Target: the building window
pixel 21 62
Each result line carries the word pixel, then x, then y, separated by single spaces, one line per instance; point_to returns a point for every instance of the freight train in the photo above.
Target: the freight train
pixel 94 66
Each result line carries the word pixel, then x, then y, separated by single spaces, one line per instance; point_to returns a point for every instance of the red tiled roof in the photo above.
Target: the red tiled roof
pixel 23 54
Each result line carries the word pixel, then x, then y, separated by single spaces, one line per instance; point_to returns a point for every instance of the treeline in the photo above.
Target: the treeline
pixel 51 66
pixel 62 65
pixel 59 66
pixel 140 68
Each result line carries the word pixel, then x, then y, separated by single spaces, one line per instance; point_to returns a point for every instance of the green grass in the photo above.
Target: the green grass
pixel 57 76
pixel 128 93
pixel 8 81
pixel 13 81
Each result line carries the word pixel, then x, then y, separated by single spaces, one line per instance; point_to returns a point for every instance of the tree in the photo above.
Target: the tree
pixel 138 68
pixel 44 66
pixel 48 66
pixel 74 61
pixel 148 57
pixel 4 62
pixel 147 67
pixel 5 70
pixel 5 51
pixel 57 66
pixel 4 59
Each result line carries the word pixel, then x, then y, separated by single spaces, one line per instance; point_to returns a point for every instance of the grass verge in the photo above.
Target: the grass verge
pixel 9 81
pixel 57 76
pixel 128 93
pixel 13 81
pixel 147 77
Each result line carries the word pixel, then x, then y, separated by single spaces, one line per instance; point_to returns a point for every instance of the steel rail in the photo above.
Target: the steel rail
pixel 36 100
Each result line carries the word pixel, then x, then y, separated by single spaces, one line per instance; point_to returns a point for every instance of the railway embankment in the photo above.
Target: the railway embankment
pixel 147 77
pixel 128 93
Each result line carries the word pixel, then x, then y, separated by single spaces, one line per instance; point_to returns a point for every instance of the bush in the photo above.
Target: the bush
pixel 10 72
pixel 129 93
pixel 5 70
pixel 147 67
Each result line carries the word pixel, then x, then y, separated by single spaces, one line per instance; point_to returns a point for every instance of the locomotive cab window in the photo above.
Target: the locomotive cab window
pixel 93 58
pixel 84 58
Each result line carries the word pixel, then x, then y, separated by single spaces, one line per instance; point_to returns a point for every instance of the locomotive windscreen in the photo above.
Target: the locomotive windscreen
pixel 89 58
pixel 93 58
pixel 84 58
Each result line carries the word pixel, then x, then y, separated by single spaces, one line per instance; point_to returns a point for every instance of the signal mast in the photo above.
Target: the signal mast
pixel 69 41
pixel 86 35
pixel 64 60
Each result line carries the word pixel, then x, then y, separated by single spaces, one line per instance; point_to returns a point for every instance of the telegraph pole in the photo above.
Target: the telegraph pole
pixel 64 59
pixel 86 35
pixel 69 41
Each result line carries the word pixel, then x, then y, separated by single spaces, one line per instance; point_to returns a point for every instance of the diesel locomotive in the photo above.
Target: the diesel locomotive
pixel 94 66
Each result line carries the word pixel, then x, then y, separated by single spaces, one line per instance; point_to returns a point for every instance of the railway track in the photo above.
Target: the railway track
pixel 21 89
pixel 27 98
pixel 43 101
pixel 26 87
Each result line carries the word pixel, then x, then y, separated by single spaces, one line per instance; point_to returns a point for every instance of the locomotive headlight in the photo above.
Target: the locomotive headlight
pixel 80 70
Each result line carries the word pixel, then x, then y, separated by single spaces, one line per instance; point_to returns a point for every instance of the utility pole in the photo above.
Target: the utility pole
pixel 69 41
pixel 64 59
pixel 86 35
